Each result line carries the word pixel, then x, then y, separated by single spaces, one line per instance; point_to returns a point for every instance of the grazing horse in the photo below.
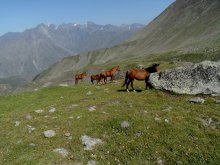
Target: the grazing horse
pixel 139 74
pixel 96 77
pixel 109 73
pixel 79 76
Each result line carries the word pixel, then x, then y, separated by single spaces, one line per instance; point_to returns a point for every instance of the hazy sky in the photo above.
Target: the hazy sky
pixel 18 15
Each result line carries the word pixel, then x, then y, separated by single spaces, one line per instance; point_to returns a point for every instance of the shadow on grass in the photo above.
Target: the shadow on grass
pixel 124 90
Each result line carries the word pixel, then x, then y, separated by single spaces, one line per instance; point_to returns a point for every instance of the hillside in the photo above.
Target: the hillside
pixel 187 31
pixel 145 127
pixel 28 53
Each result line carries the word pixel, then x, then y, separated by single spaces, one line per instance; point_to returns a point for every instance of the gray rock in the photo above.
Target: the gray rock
pixel 49 133
pixel 91 162
pixel 62 151
pixel 89 142
pixel 39 111
pixel 88 93
pixel 52 110
pixel 201 78
pixel 197 100
pixel 217 101
pixel 28 117
pixel 17 123
pixel 125 124
pixel 92 108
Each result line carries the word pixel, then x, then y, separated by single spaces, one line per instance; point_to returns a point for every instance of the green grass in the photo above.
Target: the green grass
pixel 183 140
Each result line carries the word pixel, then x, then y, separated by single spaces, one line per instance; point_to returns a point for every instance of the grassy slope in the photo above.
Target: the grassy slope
pixel 183 139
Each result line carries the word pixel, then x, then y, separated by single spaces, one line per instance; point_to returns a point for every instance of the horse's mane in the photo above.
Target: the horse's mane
pixel 152 68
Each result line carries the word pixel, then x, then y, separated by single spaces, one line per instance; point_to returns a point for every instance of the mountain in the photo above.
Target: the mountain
pixel 28 53
pixel 189 28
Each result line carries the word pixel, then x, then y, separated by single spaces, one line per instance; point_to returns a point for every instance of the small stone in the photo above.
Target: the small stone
pixel 88 93
pixel 89 142
pixel 168 109
pixel 73 106
pixel 17 123
pixel 62 151
pixel 157 119
pixel 197 100
pixel 28 117
pixel 78 117
pixel 63 85
pixel 91 162
pixel 67 134
pixel 32 145
pixel 166 120
pixel 19 141
pixel 217 101
pixel 52 110
pixel 39 111
pixel 93 108
pixel 125 124
pixel 49 133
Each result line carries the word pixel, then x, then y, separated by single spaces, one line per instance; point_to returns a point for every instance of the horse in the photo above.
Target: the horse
pixel 109 73
pixel 79 76
pixel 96 77
pixel 139 74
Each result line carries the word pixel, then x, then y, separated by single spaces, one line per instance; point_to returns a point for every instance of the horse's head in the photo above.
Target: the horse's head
pixel 153 68
pixel 156 66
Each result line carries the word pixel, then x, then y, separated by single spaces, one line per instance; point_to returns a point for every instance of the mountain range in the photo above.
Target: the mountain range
pixel 27 53
pixel 187 28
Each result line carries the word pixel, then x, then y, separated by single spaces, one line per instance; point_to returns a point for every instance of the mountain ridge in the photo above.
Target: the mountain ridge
pixel 185 27
pixel 29 52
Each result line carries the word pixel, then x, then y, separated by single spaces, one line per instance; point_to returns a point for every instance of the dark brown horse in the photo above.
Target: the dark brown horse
pixel 96 77
pixel 139 74
pixel 109 73
pixel 79 76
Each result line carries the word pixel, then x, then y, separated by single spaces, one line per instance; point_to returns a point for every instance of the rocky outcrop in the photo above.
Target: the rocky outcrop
pixel 201 78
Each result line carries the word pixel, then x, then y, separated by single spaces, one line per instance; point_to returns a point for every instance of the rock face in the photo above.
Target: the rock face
pixel 201 78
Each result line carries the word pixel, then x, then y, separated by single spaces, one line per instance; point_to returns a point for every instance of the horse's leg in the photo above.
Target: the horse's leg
pixel 76 81
pixel 130 81
pixel 127 84
pixel 148 84
pixel 132 85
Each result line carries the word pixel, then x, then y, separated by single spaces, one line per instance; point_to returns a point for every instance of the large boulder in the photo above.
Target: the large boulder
pixel 201 78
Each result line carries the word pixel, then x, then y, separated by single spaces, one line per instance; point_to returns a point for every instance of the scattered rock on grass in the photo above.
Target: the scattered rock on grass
pixel 92 108
pixel 39 111
pixel 49 133
pixel 62 151
pixel 208 121
pixel 28 117
pixel 52 110
pixel 17 123
pixel 91 162
pixel 89 142
pixel 197 100
pixel 217 101
pixel 125 124
pixel 88 93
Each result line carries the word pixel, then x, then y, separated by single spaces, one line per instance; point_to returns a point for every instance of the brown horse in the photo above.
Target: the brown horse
pixel 96 77
pixel 139 74
pixel 109 73
pixel 79 76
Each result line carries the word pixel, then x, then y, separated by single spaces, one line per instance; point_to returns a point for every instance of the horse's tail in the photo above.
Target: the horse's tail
pixel 126 79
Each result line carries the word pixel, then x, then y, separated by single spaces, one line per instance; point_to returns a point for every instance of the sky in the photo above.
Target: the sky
pixel 18 15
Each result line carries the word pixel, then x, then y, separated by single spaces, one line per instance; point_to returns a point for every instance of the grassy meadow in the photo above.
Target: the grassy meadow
pixel 164 128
